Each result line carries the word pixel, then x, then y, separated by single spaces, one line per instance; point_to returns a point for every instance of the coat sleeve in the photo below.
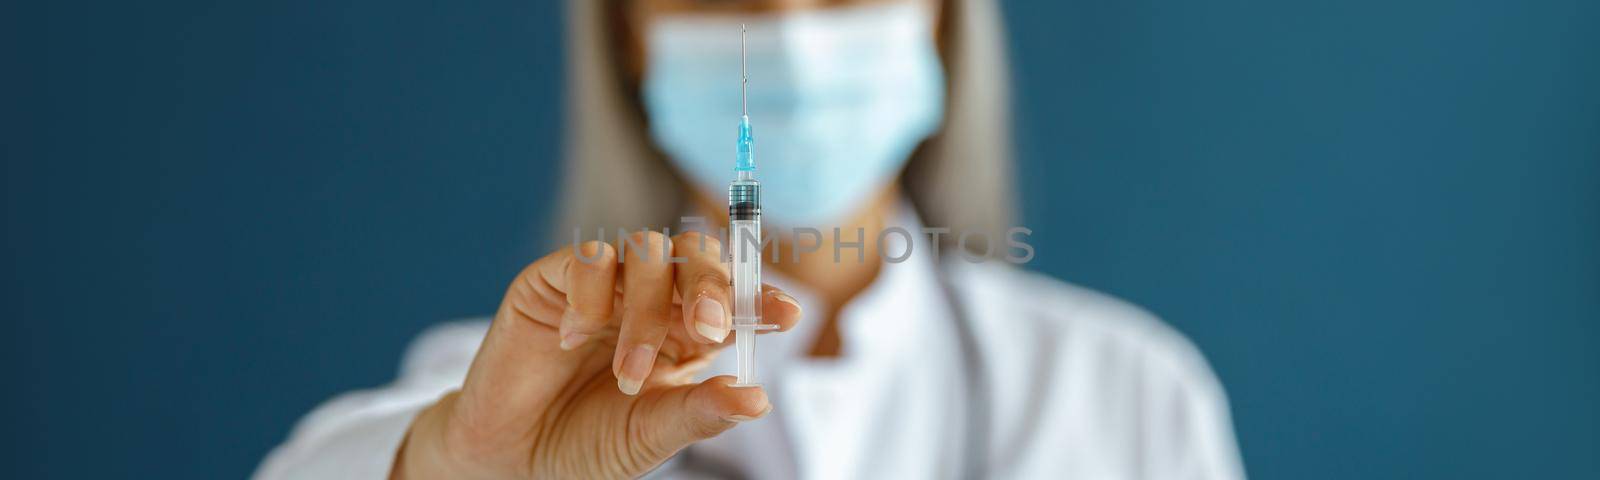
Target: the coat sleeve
pixel 1188 432
pixel 354 435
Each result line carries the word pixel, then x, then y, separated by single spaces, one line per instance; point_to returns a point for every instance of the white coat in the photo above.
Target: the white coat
pixel 1081 386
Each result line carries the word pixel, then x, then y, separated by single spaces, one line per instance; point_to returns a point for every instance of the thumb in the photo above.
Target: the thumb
pixel 675 417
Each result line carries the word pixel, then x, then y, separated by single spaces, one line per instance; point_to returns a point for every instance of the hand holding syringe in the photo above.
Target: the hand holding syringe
pixel 605 355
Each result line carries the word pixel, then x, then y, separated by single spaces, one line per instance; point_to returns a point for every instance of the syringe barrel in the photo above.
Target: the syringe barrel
pixel 746 268
pixel 744 256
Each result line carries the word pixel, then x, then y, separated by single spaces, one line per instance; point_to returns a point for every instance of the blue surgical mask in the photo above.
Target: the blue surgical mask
pixel 838 97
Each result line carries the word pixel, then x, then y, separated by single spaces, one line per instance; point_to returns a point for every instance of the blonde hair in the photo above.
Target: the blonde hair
pixel 959 178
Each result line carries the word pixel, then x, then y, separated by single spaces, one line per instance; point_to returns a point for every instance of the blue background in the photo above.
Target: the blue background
pixel 1380 220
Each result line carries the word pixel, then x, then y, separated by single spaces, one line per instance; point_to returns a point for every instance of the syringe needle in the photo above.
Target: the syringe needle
pixel 744 75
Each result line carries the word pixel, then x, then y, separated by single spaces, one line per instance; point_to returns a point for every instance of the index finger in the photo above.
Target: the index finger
pixel 702 282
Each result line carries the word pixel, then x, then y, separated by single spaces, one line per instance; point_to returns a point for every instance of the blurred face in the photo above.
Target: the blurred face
pixel 635 16
pixel 840 94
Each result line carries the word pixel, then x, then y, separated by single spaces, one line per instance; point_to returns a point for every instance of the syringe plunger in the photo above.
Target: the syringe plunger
pixel 744 251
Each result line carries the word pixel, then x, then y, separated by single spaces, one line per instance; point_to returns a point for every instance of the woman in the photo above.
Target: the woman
pixel 870 114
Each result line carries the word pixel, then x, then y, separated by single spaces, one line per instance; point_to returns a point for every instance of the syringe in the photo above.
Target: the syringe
pixel 744 228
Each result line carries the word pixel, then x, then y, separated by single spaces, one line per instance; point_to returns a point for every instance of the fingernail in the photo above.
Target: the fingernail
pixel 785 298
pixel 569 338
pixel 572 340
pixel 708 319
pixel 746 418
pixel 635 367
